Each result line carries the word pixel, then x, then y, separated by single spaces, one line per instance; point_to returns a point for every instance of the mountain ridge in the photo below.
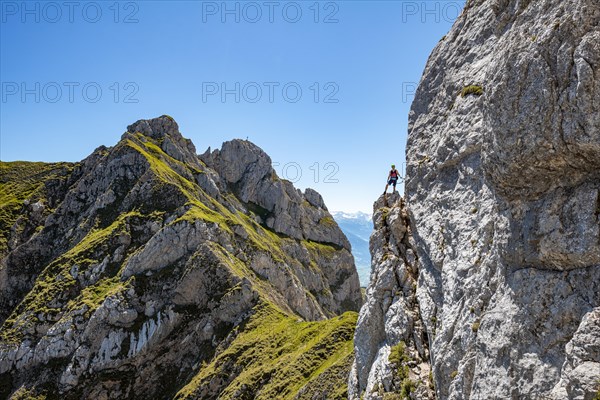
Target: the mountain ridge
pixel 112 263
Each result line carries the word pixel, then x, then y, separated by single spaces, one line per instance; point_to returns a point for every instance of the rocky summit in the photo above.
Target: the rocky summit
pixel 486 277
pixel 146 271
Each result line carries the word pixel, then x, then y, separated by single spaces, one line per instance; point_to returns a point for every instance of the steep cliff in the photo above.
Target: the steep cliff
pixel 147 272
pixel 392 344
pixel 503 202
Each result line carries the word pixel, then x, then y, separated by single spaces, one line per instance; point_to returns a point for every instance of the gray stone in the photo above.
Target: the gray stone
pixel 391 313
pixel 151 259
pixel 502 196
pixel 247 171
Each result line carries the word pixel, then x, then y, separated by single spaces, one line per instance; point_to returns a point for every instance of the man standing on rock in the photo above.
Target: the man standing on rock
pixel 392 179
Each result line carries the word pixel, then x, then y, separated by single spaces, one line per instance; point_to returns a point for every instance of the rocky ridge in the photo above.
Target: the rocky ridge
pixel 392 357
pixel 503 199
pixel 146 271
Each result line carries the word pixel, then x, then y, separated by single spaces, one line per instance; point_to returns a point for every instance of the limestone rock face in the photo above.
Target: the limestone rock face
pixel 391 343
pixel 247 171
pixel 166 130
pixel 502 194
pixel 136 272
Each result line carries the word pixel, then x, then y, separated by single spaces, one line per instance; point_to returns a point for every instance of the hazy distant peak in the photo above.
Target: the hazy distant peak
pixel 359 215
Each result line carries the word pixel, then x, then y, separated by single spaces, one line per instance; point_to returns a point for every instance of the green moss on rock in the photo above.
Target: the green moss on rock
pixel 25 394
pixel 400 358
pixel 318 250
pixel 471 89
pixel 327 221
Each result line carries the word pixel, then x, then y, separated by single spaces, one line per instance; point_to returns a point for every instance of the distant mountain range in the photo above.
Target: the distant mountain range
pixel 357 227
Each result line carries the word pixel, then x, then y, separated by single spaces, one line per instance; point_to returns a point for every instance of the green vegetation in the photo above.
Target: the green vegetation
pixel 318 250
pixel 327 221
pixel 453 374
pixel 47 297
pixel 25 394
pixel 475 326
pixel 431 381
pixel 20 181
pixel 55 286
pixel 93 296
pixel 160 163
pixel 400 358
pixel 408 386
pixel 385 212
pixel 274 356
pixel 331 384
pixel 241 270
pixel 260 237
pixel 472 89
pixel 200 205
pixel 424 159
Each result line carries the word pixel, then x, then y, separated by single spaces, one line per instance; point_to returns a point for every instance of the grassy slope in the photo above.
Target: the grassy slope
pixel 20 180
pixel 275 354
pixel 56 281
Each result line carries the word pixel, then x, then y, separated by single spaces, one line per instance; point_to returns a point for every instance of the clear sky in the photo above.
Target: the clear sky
pixel 323 87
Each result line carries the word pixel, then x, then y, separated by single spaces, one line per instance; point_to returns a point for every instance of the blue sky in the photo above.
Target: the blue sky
pixel 323 87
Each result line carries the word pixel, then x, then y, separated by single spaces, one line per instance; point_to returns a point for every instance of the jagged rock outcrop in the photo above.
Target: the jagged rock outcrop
pixel 142 272
pixel 392 356
pixel 247 171
pixel 503 196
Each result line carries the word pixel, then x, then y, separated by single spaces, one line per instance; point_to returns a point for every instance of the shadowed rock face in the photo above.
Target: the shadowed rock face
pixel 142 272
pixel 502 192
